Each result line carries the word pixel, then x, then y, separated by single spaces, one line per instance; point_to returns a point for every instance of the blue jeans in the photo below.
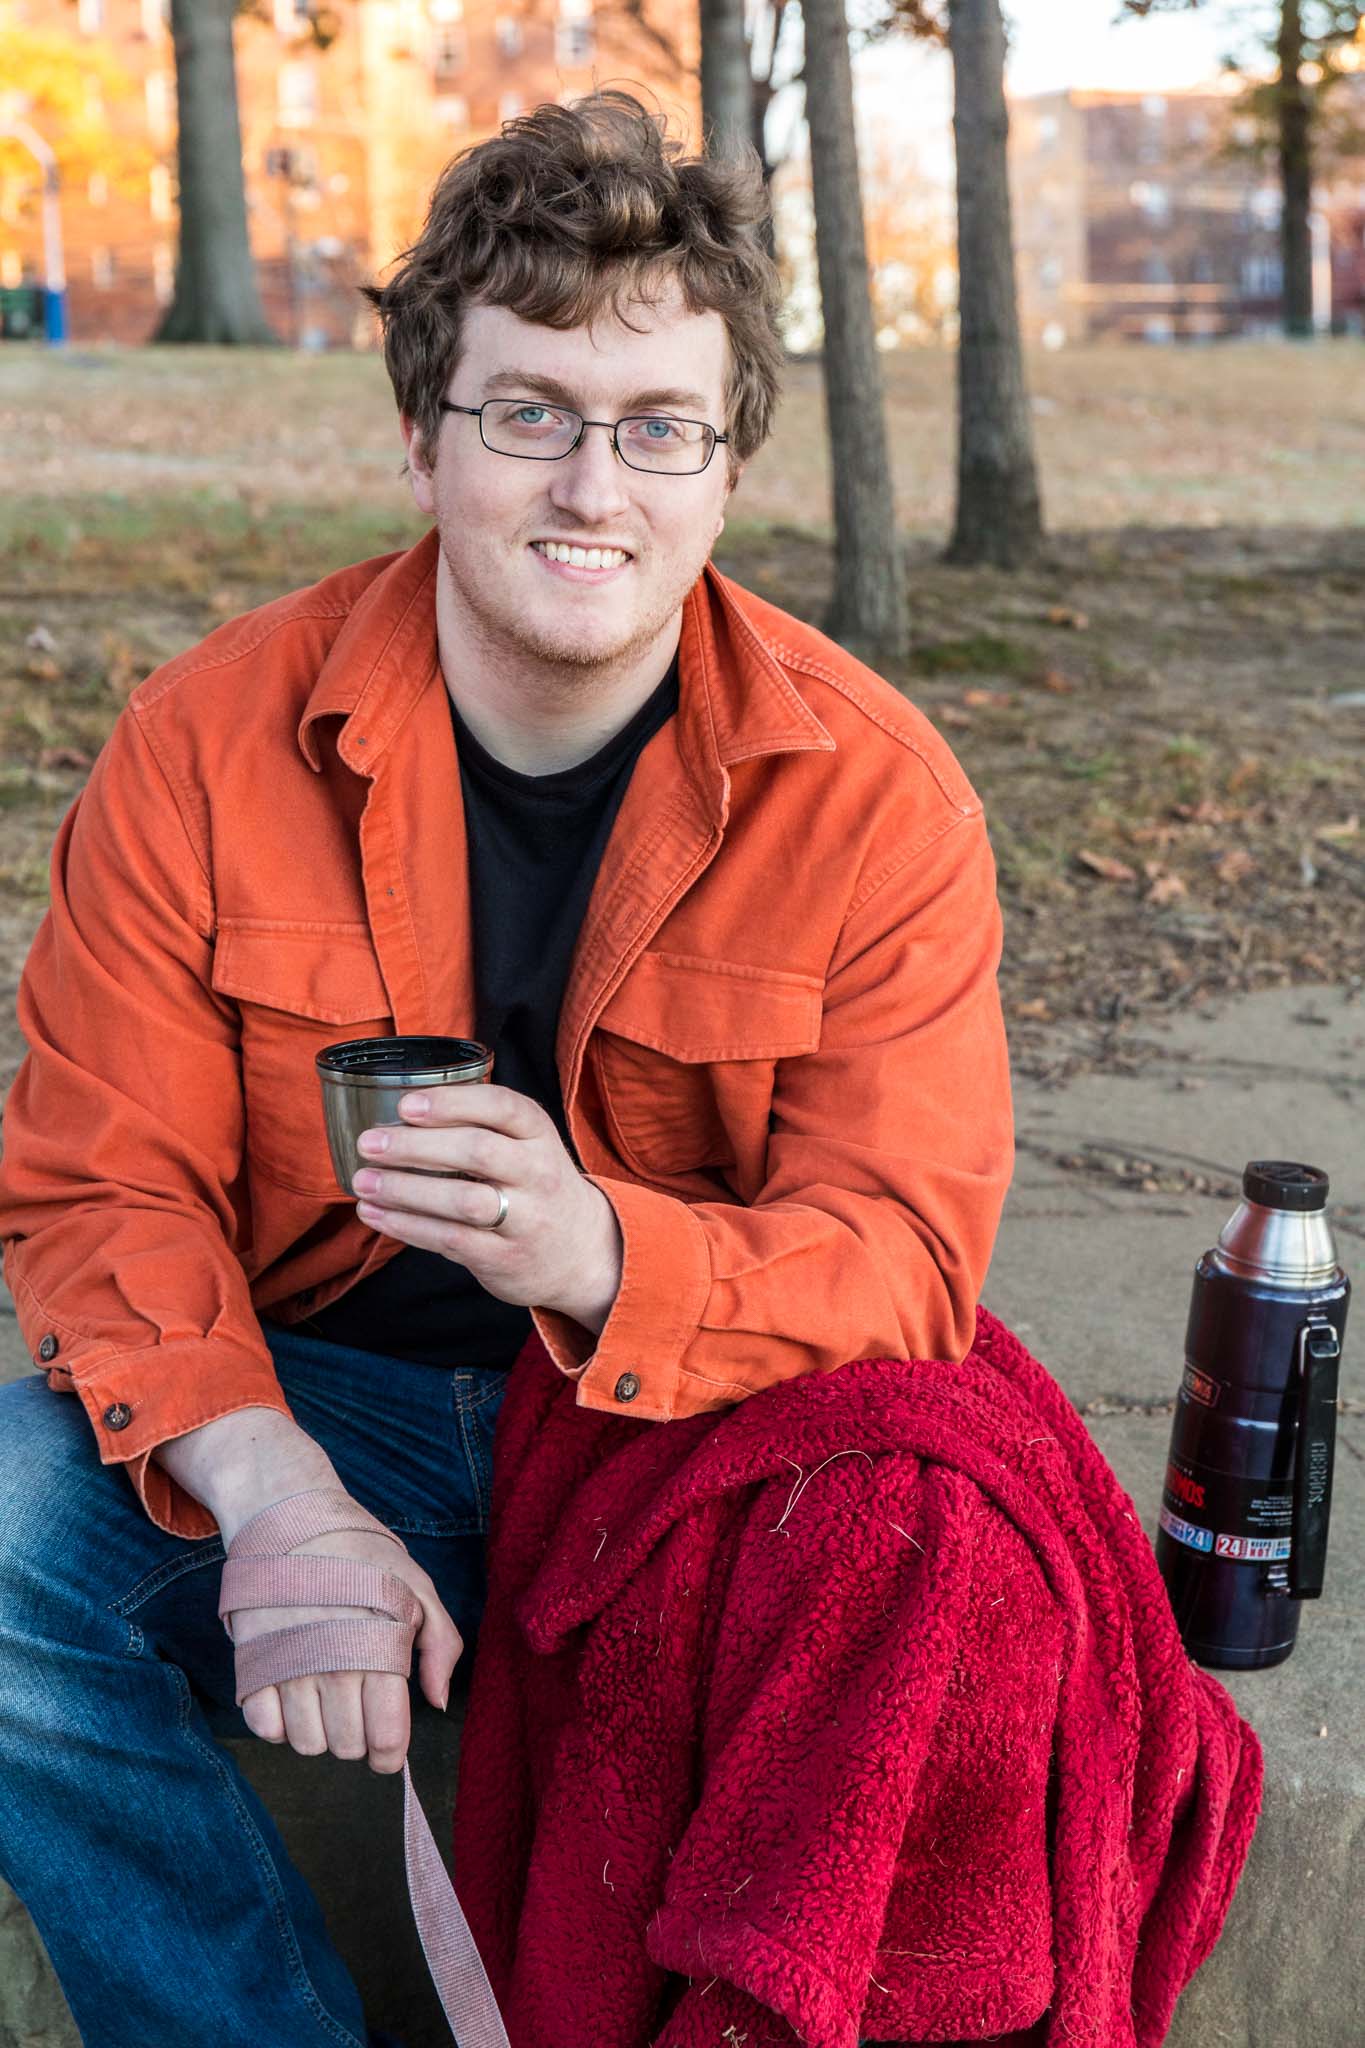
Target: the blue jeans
pixel 157 1879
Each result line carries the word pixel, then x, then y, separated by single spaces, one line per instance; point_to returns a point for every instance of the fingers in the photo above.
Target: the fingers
pixel 263 1714
pixel 350 1714
pixel 496 1109
pixel 439 1649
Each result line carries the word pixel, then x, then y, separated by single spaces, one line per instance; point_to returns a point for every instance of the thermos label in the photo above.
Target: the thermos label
pixel 1186 1532
pixel 1201 1387
pixel 1247 1521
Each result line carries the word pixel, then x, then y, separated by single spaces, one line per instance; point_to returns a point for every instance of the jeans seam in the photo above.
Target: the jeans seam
pixel 473 1449
pixel 209 1552
pixel 270 1877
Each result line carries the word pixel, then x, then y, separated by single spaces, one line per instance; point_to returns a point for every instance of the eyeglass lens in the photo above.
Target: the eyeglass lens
pixel 650 441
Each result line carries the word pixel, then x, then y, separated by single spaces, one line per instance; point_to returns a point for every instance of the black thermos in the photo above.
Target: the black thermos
pixel 1248 1493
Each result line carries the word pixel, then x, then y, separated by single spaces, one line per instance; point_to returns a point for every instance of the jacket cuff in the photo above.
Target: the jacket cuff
pixel 128 1395
pixel 632 1368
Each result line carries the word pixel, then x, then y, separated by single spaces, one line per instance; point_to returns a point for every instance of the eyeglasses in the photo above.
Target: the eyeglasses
pixel 546 433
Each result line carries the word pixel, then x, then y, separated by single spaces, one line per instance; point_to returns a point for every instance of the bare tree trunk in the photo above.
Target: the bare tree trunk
pixel 1294 122
pixel 869 608
pixel 999 516
pixel 726 90
pixel 217 298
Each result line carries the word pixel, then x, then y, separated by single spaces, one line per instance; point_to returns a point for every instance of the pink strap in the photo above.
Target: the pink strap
pixel 257 1573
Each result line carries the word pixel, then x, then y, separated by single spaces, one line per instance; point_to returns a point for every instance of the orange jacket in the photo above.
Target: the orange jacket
pixel 781 1045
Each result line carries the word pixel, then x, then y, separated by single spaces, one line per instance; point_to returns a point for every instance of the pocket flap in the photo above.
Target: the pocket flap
pixel 316 970
pixel 695 1009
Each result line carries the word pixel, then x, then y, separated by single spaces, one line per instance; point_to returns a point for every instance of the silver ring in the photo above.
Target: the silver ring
pixel 501 1216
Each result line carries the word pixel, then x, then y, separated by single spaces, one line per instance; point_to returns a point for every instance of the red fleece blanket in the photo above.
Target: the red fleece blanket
pixel 856 1711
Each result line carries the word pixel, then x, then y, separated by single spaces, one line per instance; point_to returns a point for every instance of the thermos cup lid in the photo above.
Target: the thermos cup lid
pixel 1285 1184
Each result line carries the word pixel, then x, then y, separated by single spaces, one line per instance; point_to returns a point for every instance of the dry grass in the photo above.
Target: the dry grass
pixel 1176 801
pixel 1255 434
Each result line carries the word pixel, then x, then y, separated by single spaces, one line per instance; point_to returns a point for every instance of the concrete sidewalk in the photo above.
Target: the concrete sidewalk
pixel 1123 1179
pixel 1092 1269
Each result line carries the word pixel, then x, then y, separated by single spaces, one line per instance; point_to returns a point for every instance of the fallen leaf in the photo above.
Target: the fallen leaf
pixel 1234 865
pixel 1065 615
pixel 948 714
pixel 1036 1006
pixel 979 699
pixel 1242 774
pixel 1347 829
pixel 1205 812
pixel 1104 865
pixel 65 757
pixel 122 670
pixel 1151 835
pixel 222 602
pixel 41 668
pixel 1166 887
pixel 1059 684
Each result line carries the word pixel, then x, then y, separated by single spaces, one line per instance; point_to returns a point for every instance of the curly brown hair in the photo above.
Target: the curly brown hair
pixel 575 211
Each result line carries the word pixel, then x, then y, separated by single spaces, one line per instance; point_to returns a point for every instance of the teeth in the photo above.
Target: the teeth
pixel 582 558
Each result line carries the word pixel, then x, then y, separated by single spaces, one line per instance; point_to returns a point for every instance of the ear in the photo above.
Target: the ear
pixel 419 471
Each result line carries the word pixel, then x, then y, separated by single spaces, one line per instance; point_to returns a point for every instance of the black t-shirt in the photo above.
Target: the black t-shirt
pixel 535 844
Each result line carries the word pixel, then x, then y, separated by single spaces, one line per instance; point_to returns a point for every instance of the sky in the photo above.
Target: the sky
pixel 1055 45
pixel 1058 44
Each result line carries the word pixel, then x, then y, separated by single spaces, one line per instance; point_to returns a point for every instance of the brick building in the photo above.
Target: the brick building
pixel 1130 222
pixel 340 145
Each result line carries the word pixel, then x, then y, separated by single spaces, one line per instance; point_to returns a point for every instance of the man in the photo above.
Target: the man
pixel 719 899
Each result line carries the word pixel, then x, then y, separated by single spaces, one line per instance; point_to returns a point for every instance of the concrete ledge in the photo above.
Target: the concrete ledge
pixel 1092 1270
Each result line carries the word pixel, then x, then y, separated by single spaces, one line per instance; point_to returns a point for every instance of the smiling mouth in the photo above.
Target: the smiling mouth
pixel 571 557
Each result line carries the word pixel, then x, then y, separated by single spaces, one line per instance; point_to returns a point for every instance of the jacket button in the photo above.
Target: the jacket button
pixel 118 1416
pixel 48 1348
pixel 627 1387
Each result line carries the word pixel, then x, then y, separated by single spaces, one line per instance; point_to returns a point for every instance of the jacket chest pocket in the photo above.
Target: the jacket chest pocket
pixel 294 986
pixel 685 1055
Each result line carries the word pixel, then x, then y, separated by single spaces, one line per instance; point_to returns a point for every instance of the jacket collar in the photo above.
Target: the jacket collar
pixel 736 701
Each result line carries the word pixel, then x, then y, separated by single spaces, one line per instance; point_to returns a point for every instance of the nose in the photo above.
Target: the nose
pixel 592 482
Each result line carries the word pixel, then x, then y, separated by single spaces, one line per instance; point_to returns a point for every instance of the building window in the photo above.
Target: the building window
pixel 449 52
pixel 291 16
pixel 97 189
pixel 163 273
pixel 11 269
pixel 157 91
pixel 1049 128
pixel 1262 277
pixel 101 268
pixel 297 95
pixel 509 106
pixel 1154 106
pixel 1154 200
pixel 451 108
pixel 156 17
pixel 574 33
pixel 90 16
pixel 1050 273
pixel 507 32
pixel 573 44
pixel 159 193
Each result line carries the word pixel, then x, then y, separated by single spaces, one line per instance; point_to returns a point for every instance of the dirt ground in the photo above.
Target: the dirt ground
pixel 1165 717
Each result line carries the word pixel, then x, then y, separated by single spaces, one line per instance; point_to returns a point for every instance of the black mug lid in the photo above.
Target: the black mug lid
pixel 1285 1184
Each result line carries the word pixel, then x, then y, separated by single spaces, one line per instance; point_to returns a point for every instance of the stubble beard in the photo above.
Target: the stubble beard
pixel 507 634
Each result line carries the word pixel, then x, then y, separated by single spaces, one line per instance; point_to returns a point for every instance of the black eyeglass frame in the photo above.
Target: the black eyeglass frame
pixel 476 412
